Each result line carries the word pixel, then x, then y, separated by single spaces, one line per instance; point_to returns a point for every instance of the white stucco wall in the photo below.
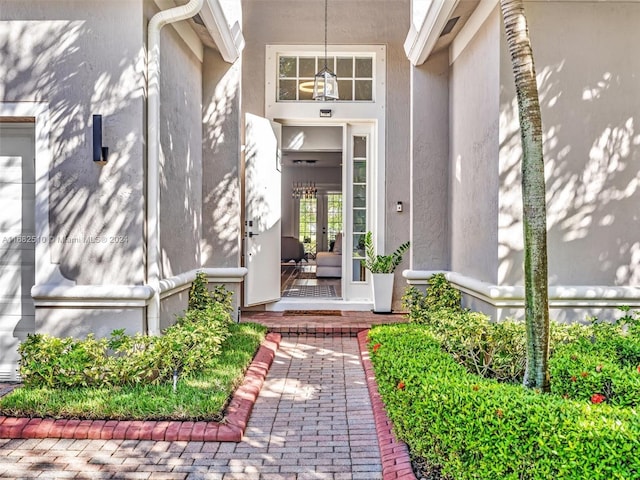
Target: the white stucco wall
pixel 590 99
pixel 430 164
pixel 221 202
pixel 81 62
pixel 180 156
pixel 473 152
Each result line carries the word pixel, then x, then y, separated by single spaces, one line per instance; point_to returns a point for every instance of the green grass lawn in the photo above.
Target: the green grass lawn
pixel 199 397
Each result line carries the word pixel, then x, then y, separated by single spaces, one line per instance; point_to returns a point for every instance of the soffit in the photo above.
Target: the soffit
pixel 463 10
pixel 211 28
pixel 424 39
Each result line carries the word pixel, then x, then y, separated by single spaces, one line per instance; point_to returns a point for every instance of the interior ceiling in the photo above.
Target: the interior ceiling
pixel 297 159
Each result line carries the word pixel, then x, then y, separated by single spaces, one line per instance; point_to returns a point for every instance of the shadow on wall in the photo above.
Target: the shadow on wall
pixel 180 156
pixel 221 213
pixel 263 200
pixel 591 158
pixel 96 211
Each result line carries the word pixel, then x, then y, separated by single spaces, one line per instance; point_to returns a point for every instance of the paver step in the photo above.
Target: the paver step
pixel 345 324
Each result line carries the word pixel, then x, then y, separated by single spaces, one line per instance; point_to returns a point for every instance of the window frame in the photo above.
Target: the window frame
pixel 318 58
pixel 308 109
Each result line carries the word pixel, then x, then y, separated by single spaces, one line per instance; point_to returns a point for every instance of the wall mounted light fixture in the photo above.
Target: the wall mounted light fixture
pixel 100 153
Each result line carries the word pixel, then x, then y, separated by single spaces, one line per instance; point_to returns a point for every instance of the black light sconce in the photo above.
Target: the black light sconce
pixel 100 153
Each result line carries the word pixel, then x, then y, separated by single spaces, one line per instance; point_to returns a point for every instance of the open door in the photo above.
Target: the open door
pixel 262 210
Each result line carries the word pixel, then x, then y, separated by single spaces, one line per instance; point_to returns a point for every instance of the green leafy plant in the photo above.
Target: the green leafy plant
pixel 201 395
pixel 223 297
pixel 382 263
pixel 604 361
pixel 130 376
pixel 497 349
pixel 187 346
pixel 438 295
pixel 199 295
pixel 470 427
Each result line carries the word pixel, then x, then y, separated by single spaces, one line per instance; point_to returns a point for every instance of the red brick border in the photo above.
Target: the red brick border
pixel 394 453
pixel 238 412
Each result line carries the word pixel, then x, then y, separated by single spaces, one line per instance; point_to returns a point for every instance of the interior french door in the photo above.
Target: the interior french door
pixel 308 225
pixel 329 218
pixel 320 220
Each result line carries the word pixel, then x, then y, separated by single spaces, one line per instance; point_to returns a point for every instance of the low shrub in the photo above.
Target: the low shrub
pixel 186 347
pixel 477 428
pixel 498 349
pixel 199 396
pixel 200 297
pixel 493 350
pixel 440 294
pixel 196 338
pixel 603 366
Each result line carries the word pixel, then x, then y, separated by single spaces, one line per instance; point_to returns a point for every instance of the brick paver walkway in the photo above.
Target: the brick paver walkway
pixel 312 420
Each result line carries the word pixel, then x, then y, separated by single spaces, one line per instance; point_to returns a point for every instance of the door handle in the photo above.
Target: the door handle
pixel 251 234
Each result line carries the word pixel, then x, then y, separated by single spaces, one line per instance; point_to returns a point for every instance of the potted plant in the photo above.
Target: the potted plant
pixel 382 268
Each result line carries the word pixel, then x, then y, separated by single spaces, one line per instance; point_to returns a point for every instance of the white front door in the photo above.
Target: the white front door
pixel 17 241
pixel 262 210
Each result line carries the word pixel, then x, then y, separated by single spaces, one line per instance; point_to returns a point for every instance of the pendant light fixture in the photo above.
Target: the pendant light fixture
pixel 325 85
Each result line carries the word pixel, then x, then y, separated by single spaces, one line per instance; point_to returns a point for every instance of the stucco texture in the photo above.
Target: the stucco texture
pixel 180 156
pixel 474 102
pixel 83 62
pixel 430 164
pixel 221 200
pixel 588 84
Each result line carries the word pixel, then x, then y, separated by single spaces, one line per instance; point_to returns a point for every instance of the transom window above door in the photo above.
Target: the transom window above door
pixel 290 72
pixel 296 75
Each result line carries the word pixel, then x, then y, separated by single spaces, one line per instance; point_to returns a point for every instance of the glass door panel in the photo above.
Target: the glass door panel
pixel 334 215
pixel 359 205
pixel 308 221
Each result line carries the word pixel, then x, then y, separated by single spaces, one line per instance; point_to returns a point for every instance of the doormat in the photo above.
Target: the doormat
pixel 315 313
pixel 306 275
pixel 328 291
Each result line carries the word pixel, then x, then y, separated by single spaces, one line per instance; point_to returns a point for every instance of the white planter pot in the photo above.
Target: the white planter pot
pixel 382 292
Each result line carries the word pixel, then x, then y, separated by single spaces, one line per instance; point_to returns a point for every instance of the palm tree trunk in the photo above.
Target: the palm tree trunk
pixel 534 216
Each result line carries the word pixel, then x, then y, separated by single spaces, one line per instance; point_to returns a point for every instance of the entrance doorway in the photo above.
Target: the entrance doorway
pixel 327 179
pixel 329 203
pixel 312 193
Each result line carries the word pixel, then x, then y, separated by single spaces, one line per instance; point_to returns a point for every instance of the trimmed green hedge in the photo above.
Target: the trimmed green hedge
pixel 477 428
pixel 188 346
pixel 604 364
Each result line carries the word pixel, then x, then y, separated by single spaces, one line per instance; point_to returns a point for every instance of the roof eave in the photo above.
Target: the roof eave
pixel 420 41
pixel 228 39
